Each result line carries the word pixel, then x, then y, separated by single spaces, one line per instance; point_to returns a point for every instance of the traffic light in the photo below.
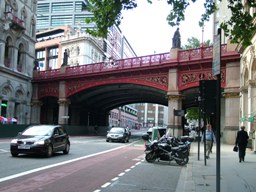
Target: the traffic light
pixel 207 92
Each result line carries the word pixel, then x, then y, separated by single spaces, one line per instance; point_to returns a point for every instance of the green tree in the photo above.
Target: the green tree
pixel 240 27
pixel 194 42
pixel 192 113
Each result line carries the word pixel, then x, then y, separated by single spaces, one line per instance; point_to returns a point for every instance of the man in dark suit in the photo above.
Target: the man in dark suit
pixel 241 141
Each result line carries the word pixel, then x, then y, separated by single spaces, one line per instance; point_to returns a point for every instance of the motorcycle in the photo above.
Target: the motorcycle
pixel 163 150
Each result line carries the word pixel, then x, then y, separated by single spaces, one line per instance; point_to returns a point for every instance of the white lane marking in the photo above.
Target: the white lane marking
pixel 55 165
pixel 114 179
pixel 3 151
pixel 105 185
pixel 121 174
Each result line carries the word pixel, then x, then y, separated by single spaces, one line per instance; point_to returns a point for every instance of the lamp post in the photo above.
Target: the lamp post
pixel 202 36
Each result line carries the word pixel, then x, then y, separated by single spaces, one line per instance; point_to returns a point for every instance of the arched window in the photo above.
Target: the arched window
pixel 33 27
pixel 24 16
pixel 34 5
pixel 7 52
pixel 20 58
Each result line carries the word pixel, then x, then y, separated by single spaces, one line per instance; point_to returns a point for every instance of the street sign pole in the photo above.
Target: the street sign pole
pixel 216 72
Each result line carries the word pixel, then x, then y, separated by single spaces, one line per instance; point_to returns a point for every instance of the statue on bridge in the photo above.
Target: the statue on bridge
pixel 176 39
pixel 65 58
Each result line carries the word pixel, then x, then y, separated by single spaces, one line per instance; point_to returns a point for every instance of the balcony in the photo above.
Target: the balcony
pixel 15 23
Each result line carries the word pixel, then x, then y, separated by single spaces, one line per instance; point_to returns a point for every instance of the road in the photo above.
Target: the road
pixel 91 166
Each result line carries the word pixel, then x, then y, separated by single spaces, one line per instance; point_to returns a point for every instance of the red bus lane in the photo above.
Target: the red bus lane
pixel 80 176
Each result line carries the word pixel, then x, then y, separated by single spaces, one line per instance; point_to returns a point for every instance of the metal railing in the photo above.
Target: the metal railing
pixel 129 63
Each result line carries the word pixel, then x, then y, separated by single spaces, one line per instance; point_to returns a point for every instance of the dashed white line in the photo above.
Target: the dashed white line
pixel 114 179
pixel 105 185
pixel 121 174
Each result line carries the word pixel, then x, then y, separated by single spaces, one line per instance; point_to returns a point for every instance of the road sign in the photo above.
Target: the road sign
pixel 216 55
pixel 179 113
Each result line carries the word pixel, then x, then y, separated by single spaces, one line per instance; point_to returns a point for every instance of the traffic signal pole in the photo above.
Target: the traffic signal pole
pixel 218 113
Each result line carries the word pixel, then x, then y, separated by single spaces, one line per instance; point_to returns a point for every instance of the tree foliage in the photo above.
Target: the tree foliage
pixel 240 27
pixel 192 113
pixel 194 42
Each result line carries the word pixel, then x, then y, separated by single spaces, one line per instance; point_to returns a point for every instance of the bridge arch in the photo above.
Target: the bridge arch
pixel 168 77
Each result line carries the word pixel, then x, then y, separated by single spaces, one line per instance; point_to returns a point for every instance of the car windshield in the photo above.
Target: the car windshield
pixel 38 131
pixel 116 130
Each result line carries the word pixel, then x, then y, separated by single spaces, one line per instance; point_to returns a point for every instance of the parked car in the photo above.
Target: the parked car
pixel 118 134
pixel 41 139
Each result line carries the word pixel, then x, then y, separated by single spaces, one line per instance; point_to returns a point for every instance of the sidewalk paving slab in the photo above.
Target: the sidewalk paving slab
pixel 234 176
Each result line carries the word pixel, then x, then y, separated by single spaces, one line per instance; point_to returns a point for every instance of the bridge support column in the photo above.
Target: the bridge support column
pixel 231 117
pixel 35 111
pixel 174 102
pixel 174 123
pixel 231 95
pixel 63 111
pixel 63 104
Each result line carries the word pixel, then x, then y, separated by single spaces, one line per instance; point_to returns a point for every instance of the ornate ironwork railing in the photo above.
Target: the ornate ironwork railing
pixel 129 63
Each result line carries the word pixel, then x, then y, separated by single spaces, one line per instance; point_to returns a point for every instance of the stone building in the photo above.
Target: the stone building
pixel 17 45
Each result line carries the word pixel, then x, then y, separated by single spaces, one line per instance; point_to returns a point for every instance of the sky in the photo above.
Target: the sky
pixel 148 32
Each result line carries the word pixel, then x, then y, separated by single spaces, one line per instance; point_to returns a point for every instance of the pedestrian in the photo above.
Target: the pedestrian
pixel 209 138
pixel 241 141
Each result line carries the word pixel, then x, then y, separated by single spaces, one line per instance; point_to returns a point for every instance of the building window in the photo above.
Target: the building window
pixel 53 57
pixel 3 108
pixel 61 20
pixel 43 22
pixel 63 7
pixel 21 58
pixel 40 57
pixel 43 8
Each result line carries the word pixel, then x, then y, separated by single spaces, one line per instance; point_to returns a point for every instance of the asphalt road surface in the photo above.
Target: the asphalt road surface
pixel 93 165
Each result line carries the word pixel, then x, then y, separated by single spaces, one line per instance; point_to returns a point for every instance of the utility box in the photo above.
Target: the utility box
pixel 155 134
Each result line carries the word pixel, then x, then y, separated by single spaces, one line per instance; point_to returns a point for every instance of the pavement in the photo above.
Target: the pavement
pixel 200 175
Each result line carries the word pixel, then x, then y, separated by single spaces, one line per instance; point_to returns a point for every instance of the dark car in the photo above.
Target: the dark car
pixel 118 134
pixel 41 139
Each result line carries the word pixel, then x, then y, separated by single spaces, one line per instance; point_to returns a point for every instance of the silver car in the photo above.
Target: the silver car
pixel 118 134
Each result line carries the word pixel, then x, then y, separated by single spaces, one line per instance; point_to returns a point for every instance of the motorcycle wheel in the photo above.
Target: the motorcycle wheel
pixel 184 160
pixel 150 157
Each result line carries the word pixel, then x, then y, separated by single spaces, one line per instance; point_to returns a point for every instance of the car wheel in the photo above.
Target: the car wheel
pixel 49 151
pixel 14 154
pixel 67 147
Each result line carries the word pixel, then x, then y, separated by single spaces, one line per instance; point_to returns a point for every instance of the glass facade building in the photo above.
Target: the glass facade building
pixel 54 13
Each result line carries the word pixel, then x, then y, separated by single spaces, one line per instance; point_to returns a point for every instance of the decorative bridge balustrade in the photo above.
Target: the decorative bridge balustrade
pixel 129 63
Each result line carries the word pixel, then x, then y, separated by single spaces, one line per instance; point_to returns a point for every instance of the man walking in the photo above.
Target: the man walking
pixel 209 138
pixel 241 141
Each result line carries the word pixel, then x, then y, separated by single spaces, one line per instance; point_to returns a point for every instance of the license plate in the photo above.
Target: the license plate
pixel 23 147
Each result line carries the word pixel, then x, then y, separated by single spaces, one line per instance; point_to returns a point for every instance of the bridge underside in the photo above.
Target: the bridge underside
pixel 96 102
pixel 91 106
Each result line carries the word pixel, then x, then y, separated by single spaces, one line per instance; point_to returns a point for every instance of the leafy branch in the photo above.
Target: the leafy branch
pixel 240 27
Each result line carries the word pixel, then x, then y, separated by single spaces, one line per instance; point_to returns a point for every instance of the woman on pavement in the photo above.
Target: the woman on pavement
pixel 241 141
